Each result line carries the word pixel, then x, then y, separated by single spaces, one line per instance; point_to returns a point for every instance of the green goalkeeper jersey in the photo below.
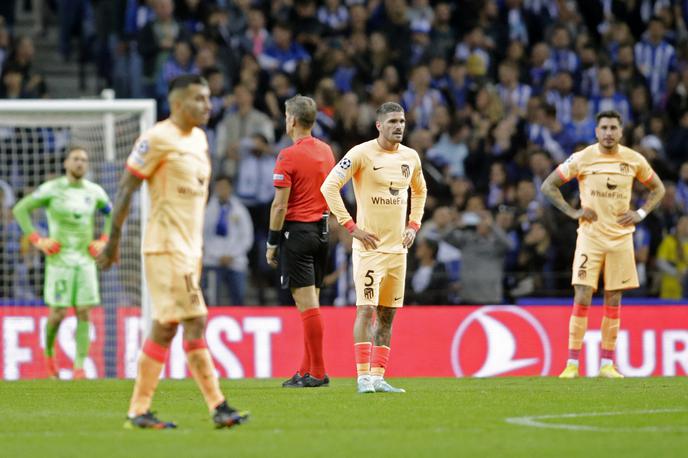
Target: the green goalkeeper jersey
pixel 71 209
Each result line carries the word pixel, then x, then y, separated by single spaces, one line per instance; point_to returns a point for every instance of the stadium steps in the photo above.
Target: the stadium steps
pixel 62 77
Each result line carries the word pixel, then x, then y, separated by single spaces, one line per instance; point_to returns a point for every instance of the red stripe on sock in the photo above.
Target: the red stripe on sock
pixel 612 312
pixel 196 344
pixel 362 352
pixel 608 354
pixel 313 335
pixel 155 351
pixel 580 310
pixel 574 354
pixel 380 356
pixel 309 313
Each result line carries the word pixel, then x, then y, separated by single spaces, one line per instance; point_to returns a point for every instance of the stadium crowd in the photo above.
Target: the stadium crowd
pixel 496 93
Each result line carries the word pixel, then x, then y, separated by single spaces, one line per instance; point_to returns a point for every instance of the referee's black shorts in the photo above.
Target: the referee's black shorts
pixel 303 255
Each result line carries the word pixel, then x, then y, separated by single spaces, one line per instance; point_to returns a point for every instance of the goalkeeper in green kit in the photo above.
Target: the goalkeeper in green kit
pixel 71 277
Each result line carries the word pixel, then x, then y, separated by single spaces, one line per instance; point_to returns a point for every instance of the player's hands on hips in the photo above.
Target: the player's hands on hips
pixel 271 256
pixel 368 240
pixel 45 244
pixel 109 255
pixel 409 237
pixel 96 246
pixel 629 218
pixel 586 214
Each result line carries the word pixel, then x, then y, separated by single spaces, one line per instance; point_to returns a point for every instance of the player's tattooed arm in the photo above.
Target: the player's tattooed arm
pixel 550 189
pixel 656 195
pixel 128 185
pixel 653 199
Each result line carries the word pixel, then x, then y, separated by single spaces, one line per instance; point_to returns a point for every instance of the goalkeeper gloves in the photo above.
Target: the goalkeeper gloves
pixel 47 245
pixel 96 246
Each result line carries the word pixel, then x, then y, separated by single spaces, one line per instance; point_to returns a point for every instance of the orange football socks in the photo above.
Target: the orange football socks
pixel 578 324
pixel 203 371
pixel 379 360
pixel 151 361
pixel 362 355
pixel 610 330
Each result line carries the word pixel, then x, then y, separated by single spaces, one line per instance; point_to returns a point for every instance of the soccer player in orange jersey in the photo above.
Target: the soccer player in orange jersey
pixel 382 171
pixel 605 173
pixel 172 157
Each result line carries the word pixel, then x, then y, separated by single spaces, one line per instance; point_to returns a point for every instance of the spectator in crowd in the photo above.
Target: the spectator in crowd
pixel 535 261
pixel 179 62
pixel 581 127
pixel 335 16
pixel 156 41
pixel 256 38
pixel 451 149
pixel 283 53
pixel 240 122
pixel 255 190
pixel 12 85
pixel 609 98
pixel 656 60
pixel 563 57
pixel 561 96
pixel 338 285
pixel 483 246
pixel 672 261
pixel 541 165
pixel 228 235
pixel 514 94
pixel 21 59
pixel 428 283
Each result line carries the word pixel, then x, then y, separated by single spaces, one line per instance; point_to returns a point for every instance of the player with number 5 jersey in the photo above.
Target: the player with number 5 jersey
pixel 382 170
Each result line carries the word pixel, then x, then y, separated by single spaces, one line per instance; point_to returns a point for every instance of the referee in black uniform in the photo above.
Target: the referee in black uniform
pixel 298 222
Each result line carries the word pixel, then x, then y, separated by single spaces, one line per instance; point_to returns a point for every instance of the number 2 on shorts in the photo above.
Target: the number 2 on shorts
pixel 585 261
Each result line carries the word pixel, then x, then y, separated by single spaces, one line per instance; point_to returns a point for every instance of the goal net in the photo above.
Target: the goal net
pixel 34 138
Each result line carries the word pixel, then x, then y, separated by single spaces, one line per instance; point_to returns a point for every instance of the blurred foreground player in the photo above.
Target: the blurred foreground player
pixel 605 173
pixel 382 171
pixel 173 158
pixel 298 222
pixel 71 277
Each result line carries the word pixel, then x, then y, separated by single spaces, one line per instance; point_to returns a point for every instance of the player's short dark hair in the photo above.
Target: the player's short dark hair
pixel 608 114
pixel 224 177
pixel 210 71
pixel 550 110
pixel 184 81
pixel 74 147
pixel 303 109
pixel 388 107
pixel 433 245
pixel 655 18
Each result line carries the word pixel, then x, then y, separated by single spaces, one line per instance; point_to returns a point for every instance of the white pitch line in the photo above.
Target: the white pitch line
pixel 534 421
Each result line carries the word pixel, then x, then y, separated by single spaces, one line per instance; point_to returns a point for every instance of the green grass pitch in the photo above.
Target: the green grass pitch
pixel 435 418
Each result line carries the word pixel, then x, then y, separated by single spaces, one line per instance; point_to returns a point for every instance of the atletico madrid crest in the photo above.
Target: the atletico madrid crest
pixel 405 170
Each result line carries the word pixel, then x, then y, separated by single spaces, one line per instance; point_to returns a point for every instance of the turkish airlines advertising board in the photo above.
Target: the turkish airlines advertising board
pixel 427 341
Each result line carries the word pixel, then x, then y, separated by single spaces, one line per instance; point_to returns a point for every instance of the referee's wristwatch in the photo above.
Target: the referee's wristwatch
pixel 270 245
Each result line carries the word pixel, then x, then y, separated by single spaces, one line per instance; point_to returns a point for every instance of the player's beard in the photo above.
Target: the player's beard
pixel 395 137
pixel 609 145
pixel 77 174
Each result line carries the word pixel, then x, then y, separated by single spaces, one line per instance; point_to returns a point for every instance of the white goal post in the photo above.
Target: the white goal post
pixel 34 136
